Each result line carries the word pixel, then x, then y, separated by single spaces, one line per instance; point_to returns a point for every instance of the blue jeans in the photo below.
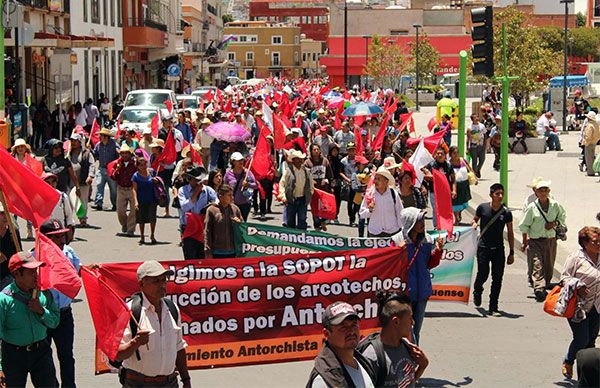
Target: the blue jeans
pixel 296 213
pixel 102 179
pixel 552 140
pixel 63 336
pixel 418 310
pixel 584 334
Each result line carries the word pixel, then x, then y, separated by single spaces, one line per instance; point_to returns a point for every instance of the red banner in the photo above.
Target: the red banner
pixel 266 309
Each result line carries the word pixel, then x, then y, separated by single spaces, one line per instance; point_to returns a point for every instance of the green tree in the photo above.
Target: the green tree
pixel 551 37
pixel 581 20
pixel 429 58
pixel 387 63
pixel 227 18
pixel 585 41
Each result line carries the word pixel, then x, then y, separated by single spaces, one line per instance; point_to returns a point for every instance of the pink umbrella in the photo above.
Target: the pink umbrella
pixel 227 131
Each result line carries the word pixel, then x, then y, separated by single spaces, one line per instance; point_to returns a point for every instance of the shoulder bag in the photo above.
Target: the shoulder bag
pixel 560 229
pixel 491 222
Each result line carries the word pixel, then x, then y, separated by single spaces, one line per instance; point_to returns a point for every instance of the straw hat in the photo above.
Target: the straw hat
pixel 543 183
pixel 18 143
pixel 383 171
pixel 106 132
pixel 157 143
pixel 206 120
pixel 534 182
pixel 186 150
pixel 125 148
pixel 390 163
pixel 297 154
pixel 591 115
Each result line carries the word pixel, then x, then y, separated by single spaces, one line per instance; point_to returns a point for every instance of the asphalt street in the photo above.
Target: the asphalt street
pixel 522 348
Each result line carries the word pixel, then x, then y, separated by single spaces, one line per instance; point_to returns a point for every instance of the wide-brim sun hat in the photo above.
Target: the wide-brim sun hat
pixel 18 143
pixel 384 172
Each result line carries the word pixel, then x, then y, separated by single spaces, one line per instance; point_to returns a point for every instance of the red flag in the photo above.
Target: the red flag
pixel 431 124
pixel 299 141
pixel 168 155
pixel 378 142
pixel 293 107
pixel 278 132
pixel 346 95
pixel 209 96
pixel 195 156
pixel 229 106
pixel 169 105
pixel 443 202
pixel 94 134
pixel 219 94
pixel 109 312
pixel 323 205
pixel 110 167
pixel 360 149
pixel 299 122
pixel 27 195
pixel 194 227
pixel 359 120
pixel 406 166
pixel 262 165
pixel 58 273
pixel 407 120
pixel 264 130
pixel 154 124
pixel 35 165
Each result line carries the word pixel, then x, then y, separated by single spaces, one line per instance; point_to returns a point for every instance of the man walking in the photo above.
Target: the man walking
pixel 105 152
pixel 591 135
pixel 295 191
pixel 476 142
pixel 538 224
pixel 160 329
pixel 24 323
pixel 490 248
pixel 122 175
pixel 338 363
pixel 63 335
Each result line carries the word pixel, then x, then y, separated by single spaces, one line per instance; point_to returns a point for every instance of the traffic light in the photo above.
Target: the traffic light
pixel 482 34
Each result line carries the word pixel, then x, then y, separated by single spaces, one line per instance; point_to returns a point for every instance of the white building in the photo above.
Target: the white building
pixel 98 69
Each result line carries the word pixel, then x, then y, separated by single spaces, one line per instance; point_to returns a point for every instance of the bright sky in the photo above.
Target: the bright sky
pixel 580 6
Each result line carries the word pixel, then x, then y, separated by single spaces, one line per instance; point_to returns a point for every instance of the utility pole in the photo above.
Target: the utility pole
pixel 504 140
pixel 346 43
pixel 366 60
pixel 417 26
pixel 462 102
pixel 2 78
pixel 565 66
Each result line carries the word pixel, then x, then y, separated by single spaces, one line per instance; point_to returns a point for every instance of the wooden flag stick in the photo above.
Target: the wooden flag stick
pixel 11 225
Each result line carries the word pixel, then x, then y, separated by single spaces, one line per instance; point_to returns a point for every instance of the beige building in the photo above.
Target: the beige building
pixel 312 50
pixel 263 49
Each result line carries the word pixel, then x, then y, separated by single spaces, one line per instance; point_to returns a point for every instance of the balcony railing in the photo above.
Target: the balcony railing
pixel 142 22
pixel 249 62
pixel 43 4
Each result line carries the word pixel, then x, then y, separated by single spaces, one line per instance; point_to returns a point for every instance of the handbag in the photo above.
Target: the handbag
pixel 472 178
pixel 160 191
pixel 552 298
pixel 559 229
pixel 345 191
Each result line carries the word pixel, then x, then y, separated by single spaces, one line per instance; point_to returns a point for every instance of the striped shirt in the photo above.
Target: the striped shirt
pixel 579 265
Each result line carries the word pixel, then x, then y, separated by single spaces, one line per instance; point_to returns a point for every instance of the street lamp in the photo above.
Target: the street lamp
pixel 366 37
pixel 346 43
pixel 417 26
pixel 565 68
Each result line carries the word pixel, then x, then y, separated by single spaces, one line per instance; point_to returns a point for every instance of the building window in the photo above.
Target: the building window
pixel 86 73
pixel 85 11
pixel 242 38
pixel 119 14
pixel 253 39
pixel 113 75
pixel 276 39
pixel 304 57
pixel 398 32
pixel 120 72
pixel 275 59
pixel 296 39
pixel 95 8
pixel 249 55
pixel 112 13
pixel 596 11
pixel 296 63
pixel 105 11
pixel 266 51
pixel 314 56
pixel 231 56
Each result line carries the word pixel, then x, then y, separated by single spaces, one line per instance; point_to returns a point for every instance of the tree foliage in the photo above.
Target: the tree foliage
pixel 581 20
pixel 429 58
pixel 582 41
pixel 227 18
pixel 387 63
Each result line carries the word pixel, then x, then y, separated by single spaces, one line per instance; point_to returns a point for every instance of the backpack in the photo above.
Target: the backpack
pixel 373 339
pixel 160 191
pixel 136 311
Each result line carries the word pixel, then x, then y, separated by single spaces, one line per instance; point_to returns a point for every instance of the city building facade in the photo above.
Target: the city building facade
pixel 312 51
pixel 593 13
pixel 263 49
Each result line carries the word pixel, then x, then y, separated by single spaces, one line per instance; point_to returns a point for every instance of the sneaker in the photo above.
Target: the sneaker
pixel 476 299
pixel 353 225
pixel 262 217
pixel 493 312
pixel 567 370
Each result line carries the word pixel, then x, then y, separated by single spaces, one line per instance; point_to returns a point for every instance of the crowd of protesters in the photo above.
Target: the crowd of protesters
pixel 370 162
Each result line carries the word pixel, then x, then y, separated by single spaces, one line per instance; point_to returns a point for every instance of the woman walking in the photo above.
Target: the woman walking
pixel 582 271
pixel 243 183
pixel 144 199
pixel 463 190
pixel 322 176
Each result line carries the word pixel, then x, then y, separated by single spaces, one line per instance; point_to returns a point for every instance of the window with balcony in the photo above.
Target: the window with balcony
pixel 250 55
pixel 95 8
pixel 276 39
pixel 275 59
pixel 231 57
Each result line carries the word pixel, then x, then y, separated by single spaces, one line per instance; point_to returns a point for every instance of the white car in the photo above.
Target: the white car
pixel 137 117
pixel 187 101
pixel 202 90
pixel 252 82
pixel 151 97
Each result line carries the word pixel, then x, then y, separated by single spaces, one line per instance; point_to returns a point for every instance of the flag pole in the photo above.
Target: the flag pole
pixel 9 220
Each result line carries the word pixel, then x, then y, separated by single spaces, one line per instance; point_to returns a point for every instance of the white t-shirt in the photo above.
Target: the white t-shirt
pixel 477 134
pixel 541 125
pixel 359 376
pixel 81 118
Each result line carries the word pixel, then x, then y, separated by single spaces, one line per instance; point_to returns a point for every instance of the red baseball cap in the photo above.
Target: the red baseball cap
pixel 23 260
